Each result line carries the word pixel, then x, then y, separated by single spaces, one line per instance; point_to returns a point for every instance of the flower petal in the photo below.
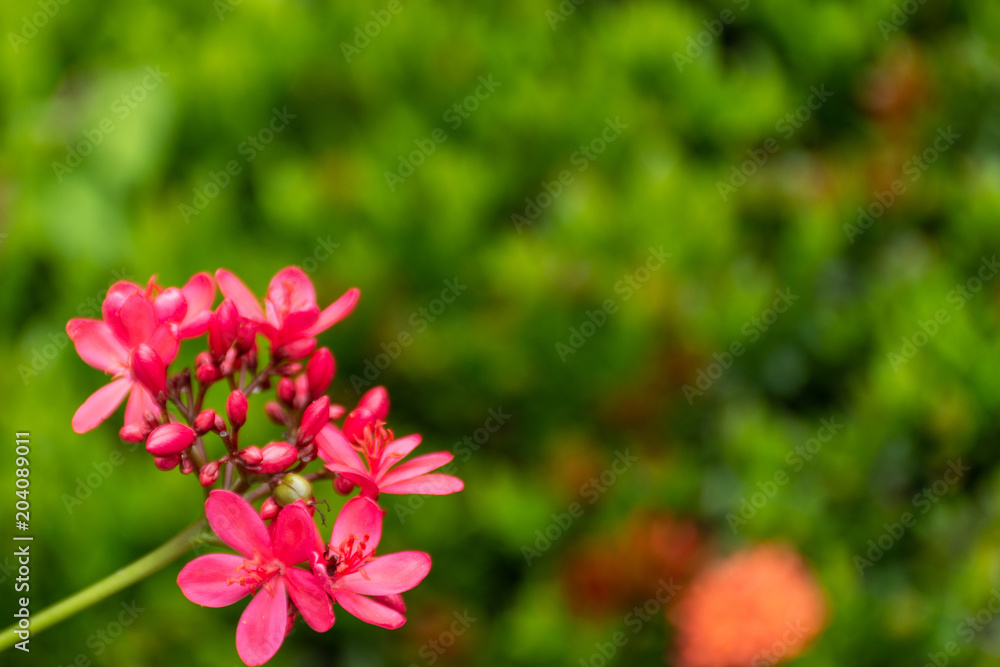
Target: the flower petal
pixel 310 599
pixel 399 448
pixel 262 625
pixel 100 405
pixel 140 401
pixel 389 574
pixel 199 292
pixel 335 312
pixel 429 485
pixel 233 288
pixel 359 477
pixel 361 516
pixel 166 342
pixel 369 611
pixel 116 296
pixel 237 524
pixel 414 467
pixel 204 580
pixel 334 448
pixel 135 321
pixel 295 535
pixel 290 290
pixel 97 344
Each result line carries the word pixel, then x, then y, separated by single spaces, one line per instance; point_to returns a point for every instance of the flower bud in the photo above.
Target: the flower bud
pixel 293 487
pixel 228 363
pixel 170 305
pixel 286 390
pixel 354 425
pixel 209 473
pixel 220 424
pixel 337 411
pixel 275 413
pixel 149 370
pixel 269 509
pixel 251 455
pixel 204 369
pixel 223 328
pixel 133 432
pixel 236 408
pixel 342 485
pixel 376 400
pixel 152 421
pixel 277 456
pixel 167 462
pixel 301 384
pixel 299 349
pixel 290 369
pixel 169 439
pixel 205 421
pixel 187 466
pixel 320 370
pixel 316 416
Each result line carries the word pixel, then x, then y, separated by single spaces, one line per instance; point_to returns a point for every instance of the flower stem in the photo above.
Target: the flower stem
pixel 128 575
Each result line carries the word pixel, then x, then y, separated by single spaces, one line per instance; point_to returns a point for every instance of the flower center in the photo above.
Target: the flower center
pixel 352 554
pixel 256 572
pixel 373 443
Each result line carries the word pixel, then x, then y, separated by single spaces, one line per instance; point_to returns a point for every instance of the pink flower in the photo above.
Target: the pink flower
pixel 374 469
pixel 290 316
pixel 189 307
pixel 264 568
pixel 365 585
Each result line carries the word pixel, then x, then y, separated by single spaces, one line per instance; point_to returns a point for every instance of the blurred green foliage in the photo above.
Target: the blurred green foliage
pixel 317 195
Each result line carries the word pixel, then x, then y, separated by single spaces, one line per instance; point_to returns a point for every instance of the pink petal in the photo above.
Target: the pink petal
pixel 100 405
pixel 295 535
pixel 203 580
pixel 399 448
pixel 335 312
pixel 116 296
pixel 369 610
pixel 291 290
pixel 237 524
pixel 97 344
pixel 298 320
pixel 359 477
pixel 310 599
pixel 233 288
pixel 392 601
pixel 389 574
pixel 170 305
pixel 140 401
pixel 262 625
pixel 135 321
pixel 414 467
pixel 360 517
pixel 166 342
pixel 199 292
pixel 429 485
pixel 334 447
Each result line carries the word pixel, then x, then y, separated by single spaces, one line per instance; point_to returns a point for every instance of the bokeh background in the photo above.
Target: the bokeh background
pixel 164 97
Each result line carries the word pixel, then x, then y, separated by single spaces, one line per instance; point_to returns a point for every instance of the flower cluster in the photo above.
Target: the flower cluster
pixel 281 561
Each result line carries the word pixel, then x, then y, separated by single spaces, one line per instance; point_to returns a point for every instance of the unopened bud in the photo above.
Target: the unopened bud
pixel 236 408
pixel 316 416
pixel 209 473
pixel 275 412
pixel 337 411
pixel 149 369
pixel 342 485
pixel 251 455
pixel 169 439
pixel 187 466
pixel 320 370
pixel 277 456
pixel 205 421
pixel 286 390
pixel 293 487
pixel 376 400
pixel 301 392
pixel 133 432
pixel 355 424
pixel 269 509
pixel 167 462
pixel 290 369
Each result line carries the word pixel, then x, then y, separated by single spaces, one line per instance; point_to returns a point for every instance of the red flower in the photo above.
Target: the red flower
pixel 759 606
pixel 264 568
pixel 290 317
pixel 374 470
pixel 365 585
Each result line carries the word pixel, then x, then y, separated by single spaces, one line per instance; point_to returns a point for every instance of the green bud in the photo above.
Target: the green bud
pixel 293 487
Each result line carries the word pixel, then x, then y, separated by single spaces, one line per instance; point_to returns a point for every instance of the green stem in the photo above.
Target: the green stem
pixel 128 575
